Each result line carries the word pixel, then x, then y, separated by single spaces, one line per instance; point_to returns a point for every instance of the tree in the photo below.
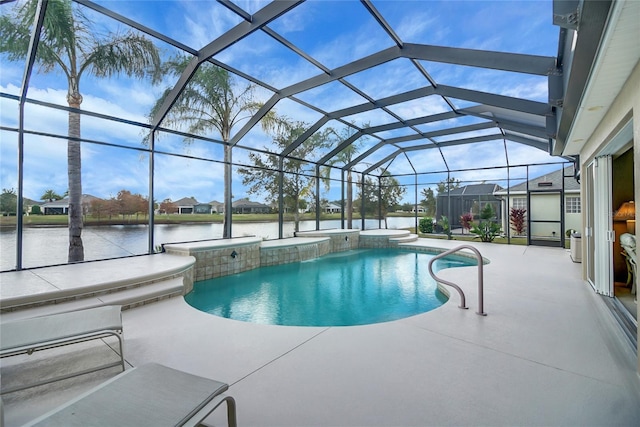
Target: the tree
pixel 169 207
pixel 8 201
pixel 345 157
pixel 50 196
pixel 407 207
pixel 129 204
pixel 212 101
pixel 390 195
pixel 69 43
pixel 453 184
pixel 429 202
pixel 298 179
pixel 100 207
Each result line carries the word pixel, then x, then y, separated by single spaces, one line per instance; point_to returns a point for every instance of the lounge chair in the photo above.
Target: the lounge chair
pixel 41 333
pixel 150 395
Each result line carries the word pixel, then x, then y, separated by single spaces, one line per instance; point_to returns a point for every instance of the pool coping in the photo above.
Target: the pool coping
pixel 63 283
pixel 292 241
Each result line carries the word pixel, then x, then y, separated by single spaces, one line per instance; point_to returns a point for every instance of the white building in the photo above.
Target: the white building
pixel 599 121
pixel 552 202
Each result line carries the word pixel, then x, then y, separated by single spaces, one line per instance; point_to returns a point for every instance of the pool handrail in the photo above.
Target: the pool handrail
pixel 463 303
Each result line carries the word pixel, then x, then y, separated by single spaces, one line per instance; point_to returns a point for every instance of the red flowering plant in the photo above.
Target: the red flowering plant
pixel 517 218
pixel 466 220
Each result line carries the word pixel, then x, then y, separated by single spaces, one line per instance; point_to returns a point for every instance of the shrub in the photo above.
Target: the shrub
pixel 446 227
pixel 426 225
pixel 486 229
pixel 517 219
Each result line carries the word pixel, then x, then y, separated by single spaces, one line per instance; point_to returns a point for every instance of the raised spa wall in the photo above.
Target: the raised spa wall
pixel 215 258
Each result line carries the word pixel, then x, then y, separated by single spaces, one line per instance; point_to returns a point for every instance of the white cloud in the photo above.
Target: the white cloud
pixel 292 22
pixel 520 154
pixel 416 25
pixel 202 22
pixel 420 107
pixel 351 45
pixel 534 89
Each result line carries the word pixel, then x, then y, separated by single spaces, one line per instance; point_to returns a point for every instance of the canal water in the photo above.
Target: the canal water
pixel 48 245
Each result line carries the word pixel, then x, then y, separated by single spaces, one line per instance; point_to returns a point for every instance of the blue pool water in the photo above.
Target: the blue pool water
pixel 349 288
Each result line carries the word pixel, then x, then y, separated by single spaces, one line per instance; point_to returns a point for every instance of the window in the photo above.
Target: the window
pixel 572 204
pixel 519 203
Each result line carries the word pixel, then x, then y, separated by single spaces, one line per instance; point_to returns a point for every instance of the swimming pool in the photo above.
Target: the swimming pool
pixel 348 288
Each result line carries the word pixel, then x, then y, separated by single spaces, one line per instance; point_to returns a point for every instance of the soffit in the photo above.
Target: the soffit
pixel 617 57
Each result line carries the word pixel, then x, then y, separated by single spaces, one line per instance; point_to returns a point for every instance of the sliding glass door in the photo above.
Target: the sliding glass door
pixel 599 225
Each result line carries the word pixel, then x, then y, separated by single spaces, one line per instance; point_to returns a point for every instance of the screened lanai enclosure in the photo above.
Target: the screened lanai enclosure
pixel 373 110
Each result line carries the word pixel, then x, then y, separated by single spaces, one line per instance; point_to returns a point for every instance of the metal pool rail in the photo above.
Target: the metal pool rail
pixel 456 287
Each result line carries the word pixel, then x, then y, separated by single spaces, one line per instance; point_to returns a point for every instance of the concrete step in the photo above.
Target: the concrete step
pixel 126 297
pixel 134 297
pixel 404 239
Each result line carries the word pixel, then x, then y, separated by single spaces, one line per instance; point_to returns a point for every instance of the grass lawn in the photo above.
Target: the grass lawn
pixel 472 238
pixel 61 220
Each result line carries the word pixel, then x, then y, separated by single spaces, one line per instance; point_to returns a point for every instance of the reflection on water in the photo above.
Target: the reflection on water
pixel 48 245
pixel 353 288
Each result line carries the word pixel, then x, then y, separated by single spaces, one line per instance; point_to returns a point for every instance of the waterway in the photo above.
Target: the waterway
pixel 43 246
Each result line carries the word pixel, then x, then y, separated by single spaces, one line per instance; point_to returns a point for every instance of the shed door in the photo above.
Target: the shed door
pixel 545 218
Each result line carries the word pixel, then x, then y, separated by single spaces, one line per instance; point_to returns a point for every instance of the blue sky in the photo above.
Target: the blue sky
pixel 333 33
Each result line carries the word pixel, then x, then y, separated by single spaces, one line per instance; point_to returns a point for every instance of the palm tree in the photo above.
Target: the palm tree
pixel 211 102
pixel 50 196
pixel 69 44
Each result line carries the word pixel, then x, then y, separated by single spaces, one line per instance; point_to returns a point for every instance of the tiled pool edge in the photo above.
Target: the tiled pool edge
pixel 242 254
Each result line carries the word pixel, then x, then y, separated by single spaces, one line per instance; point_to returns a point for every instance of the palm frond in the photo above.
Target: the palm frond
pixel 57 35
pixel 130 54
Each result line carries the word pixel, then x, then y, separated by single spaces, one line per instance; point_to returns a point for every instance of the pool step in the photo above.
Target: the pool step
pixel 126 297
pixel 403 239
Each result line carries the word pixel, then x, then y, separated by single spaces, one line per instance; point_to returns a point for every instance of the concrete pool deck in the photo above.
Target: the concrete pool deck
pixel 548 353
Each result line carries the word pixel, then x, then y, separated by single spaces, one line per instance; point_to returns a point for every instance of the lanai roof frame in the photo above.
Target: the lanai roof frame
pixel 260 20
pixel 515 118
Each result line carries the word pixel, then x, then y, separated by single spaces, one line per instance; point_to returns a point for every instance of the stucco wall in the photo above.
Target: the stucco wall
pixel 626 105
pixel 551 212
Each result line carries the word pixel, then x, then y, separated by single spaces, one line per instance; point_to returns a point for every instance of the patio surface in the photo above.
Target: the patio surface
pixel 548 353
